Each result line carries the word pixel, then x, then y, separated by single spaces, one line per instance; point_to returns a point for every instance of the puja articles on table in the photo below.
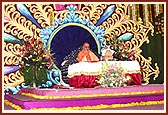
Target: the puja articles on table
pixel 85 55
pixel 107 54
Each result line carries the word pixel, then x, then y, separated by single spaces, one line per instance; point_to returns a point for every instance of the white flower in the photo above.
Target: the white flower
pixel 116 74
pixel 27 64
pixel 110 79
pixel 30 56
pixel 124 84
pixel 113 81
pixel 101 79
pixel 26 58
pixel 112 74
pixel 111 84
pixel 116 84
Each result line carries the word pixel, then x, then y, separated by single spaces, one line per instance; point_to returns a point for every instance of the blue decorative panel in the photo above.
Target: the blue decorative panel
pixel 108 12
pixel 10 38
pixel 10 69
pixel 126 36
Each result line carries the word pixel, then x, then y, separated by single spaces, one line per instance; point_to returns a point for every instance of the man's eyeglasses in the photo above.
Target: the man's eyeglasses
pixel 87 47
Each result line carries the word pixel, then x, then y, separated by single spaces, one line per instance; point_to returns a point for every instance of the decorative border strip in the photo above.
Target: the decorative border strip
pixel 80 73
pixel 101 106
pixel 92 95
pixel 104 106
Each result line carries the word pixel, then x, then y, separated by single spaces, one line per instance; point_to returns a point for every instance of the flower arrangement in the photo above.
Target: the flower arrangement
pixel 112 76
pixel 35 60
pixel 121 50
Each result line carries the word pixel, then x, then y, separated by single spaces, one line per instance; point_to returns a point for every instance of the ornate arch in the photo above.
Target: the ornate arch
pixel 73 24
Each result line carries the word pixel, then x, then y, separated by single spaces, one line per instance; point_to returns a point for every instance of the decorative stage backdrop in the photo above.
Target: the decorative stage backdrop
pixel 63 28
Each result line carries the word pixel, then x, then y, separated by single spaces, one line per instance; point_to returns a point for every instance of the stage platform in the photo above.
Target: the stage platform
pixel 130 97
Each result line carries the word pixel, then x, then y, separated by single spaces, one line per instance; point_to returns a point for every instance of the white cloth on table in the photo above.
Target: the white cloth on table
pixel 94 67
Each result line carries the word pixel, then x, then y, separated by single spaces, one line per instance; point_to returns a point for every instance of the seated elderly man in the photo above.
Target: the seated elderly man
pixel 86 55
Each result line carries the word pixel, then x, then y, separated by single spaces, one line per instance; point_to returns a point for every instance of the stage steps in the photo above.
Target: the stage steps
pixel 89 98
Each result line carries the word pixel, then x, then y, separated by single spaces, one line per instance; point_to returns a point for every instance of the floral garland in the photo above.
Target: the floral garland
pixel 112 76
pixel 93 95
pixel 35 60
pixel 17 107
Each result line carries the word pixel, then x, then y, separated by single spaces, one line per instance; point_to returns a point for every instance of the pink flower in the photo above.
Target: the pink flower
pixel 32 41
pixel 30 46
pixel 26 54
pixel 126 46
pixel 132 53
pixel 131 57
pixel 26 49
pixel 120 57
pixel 121 46
pixel 18 55
pixel 39 42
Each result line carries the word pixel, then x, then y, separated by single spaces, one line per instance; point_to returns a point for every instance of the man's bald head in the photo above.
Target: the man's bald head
pixel 86 46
